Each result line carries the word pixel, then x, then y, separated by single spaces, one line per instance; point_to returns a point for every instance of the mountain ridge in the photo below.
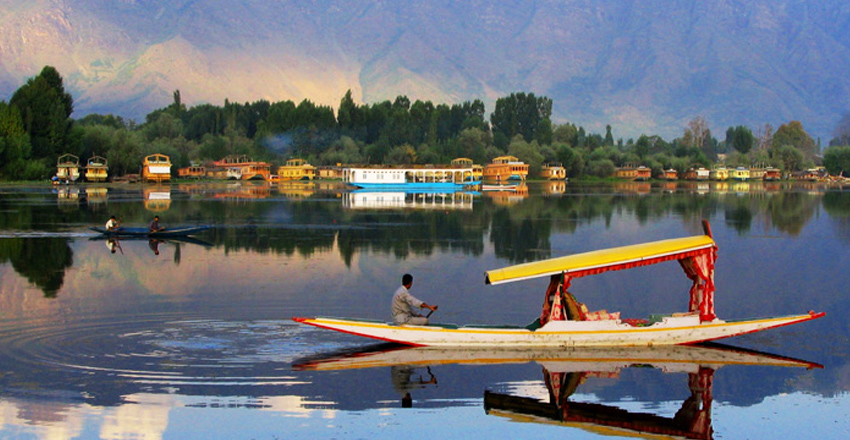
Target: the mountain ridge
pixel 641 66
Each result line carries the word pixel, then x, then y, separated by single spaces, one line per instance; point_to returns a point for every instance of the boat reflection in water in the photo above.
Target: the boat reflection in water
pixel 157 198
pixel 564 370
pixel 368 199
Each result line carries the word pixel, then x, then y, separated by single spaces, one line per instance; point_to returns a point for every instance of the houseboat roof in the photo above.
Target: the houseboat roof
pixel 604 260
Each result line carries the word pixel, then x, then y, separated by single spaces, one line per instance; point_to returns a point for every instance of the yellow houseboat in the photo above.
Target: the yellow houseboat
pixel 464 162
pixel 67 168
pixel 156 168
pixel 96 169
pixel 242 167
pixel 632 172
pixel 740 174
pixel 296 169
pixel 553 172
pixel 505 168
pixel 719 173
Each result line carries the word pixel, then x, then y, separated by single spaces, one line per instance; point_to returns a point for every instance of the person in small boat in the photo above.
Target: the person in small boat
pixel 155 226
pixel 404 304
pixel 112 223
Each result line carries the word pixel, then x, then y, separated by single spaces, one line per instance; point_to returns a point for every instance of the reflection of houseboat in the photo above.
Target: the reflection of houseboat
pixel 505 168
pixel 157 199
pixel 631 172
pixel 244 191
pixel 553 172
pixel 409 177
pixel 67 168
pixel 508 197
pixel 242 167
pixel 156 168
pixel 740 174
pixel 297 189
pixel 296 169
pixel 554 187
pixel 671 174
pixel 96 195
pixel 96 169
pixel 697 173
pixel 719 173
pixel 360 199
pixel 772 174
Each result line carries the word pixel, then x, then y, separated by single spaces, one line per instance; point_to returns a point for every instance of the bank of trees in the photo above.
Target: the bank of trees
pixel 35 128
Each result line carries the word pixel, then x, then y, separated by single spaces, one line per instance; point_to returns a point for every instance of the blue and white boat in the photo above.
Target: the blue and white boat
pixel 425 178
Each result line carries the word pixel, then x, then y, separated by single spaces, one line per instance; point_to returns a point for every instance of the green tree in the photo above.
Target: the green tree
pixel 521 114
pixel 794 135
pixel 45 110
pixel 836 160
pixel 14 143
pixel 740 138
pixel 609 137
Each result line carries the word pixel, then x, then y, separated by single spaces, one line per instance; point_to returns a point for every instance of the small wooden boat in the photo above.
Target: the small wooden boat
pixel 564 322
pixel 123 231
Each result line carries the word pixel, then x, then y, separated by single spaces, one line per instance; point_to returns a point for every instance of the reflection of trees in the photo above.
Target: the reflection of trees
pixel 837 205
pixel 789 211
pixel 42 261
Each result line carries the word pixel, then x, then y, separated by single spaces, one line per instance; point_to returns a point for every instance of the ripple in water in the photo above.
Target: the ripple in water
pixel 115 358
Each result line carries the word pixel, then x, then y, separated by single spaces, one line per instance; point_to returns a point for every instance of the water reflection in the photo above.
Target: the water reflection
pixel 413 370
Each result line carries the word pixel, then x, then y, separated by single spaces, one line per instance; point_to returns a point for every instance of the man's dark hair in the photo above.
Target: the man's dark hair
pixel 406 279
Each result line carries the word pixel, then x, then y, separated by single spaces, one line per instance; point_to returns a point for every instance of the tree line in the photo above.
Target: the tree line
pixel 36 127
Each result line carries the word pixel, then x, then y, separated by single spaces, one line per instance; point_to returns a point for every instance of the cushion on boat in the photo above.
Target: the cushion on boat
pixel 599 315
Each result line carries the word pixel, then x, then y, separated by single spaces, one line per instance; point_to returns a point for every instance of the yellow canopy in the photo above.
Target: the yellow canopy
pixel 603 260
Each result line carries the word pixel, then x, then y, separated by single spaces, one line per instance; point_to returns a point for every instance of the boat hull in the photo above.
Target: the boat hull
pixel 145 232
pixel 670 331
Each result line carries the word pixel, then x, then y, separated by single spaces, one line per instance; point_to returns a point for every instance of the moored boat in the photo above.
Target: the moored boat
pixel 564 322
pixel 67 168
pixel 96 169
pixel 156 168
pixel 296 169
pixel 410 177
pixel 506 168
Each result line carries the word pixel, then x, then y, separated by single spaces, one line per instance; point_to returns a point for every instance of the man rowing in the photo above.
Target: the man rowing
pixel 404 304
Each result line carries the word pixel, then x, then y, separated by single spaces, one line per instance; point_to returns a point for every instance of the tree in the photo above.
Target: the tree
pixel 740 138
pixel 697 135
pixel 520 114
pixel 14 143
pixel 609 137
pixel 842 132
pixel 836 160
pixel 45 110
pixel 794 135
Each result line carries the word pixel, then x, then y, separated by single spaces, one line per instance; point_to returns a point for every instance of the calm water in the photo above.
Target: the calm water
pixel 193 339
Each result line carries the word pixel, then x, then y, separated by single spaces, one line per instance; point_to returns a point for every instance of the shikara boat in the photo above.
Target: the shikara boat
pixel 122 231
pixel 564 322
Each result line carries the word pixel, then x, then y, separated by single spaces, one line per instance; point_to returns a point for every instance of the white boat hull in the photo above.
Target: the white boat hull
pixel 670 331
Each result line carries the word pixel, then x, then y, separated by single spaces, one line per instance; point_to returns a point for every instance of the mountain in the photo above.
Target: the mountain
pixel 642 66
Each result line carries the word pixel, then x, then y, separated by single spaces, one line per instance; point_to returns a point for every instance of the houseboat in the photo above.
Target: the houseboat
pixel 465 162
pixel 719 173
pixel 757 173
pixel 156 168
pixel 67 169
pixel 740 174
pixel 772 174
pixel 409 177
pixel 553 172
pixel 506 168
pixel 632 172
pixel 192 172
pixel 671 174
pixel 96 169
pixel 697 173
pixel 296 169
pixel 242 167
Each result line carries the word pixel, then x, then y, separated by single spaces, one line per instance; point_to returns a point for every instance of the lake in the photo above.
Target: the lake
pixel 193 339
